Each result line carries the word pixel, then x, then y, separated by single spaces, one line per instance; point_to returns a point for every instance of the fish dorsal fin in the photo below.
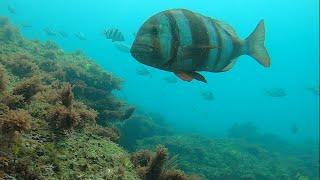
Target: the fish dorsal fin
pixel 189 76
pixel 227 27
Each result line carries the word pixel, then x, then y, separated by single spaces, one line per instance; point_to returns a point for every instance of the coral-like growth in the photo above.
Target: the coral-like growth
pixel 141 158
pixel 64 118
pixel 22 66
pixel 154 170
pixel 174 175
pixel 66 95
pixel 3 79
pixel 48 66
pixel 12 101
pixel 246 131
pixel 4 21
pixel 139 127
pixel 12 123
pixel 110 115
pixel 156 167
pixel 105 132
pixel 7 32
pixel 87 114
pixel 128 113
pixel 48 150
pixel 28 88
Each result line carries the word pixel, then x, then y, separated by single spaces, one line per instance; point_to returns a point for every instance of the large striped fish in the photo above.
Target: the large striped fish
pixel 185 43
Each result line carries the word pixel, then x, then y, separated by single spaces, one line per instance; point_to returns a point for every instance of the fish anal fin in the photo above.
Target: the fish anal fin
pixel 189 76
pixel 229 66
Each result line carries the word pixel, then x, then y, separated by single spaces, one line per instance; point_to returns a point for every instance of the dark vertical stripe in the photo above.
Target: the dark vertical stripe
pixel 175 40
pixel 219 44
pixel 200 38
pixel 233 53
pixel 236 48
pixel 155 40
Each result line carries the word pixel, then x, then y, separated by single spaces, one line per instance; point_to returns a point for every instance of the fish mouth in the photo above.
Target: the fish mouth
pixel 141 48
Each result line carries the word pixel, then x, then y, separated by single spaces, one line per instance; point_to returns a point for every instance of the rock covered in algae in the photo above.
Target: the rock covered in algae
pixel 48 114
pixel 226 158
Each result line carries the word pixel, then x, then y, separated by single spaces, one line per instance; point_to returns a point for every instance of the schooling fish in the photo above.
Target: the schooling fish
pixel 207 95
pixel 80 36
pixel 276 92
pixel 142 71
pixel 184 42
pixel 49 32
pixel 12 10
pixel 170 79
pixel 122 47
pixel 114 34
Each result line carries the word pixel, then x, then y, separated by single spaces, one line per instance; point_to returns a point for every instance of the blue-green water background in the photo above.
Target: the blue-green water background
pixel 292 39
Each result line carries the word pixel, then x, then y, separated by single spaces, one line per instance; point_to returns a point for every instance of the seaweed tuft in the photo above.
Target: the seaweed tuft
pixel 28 88
pixel 12 124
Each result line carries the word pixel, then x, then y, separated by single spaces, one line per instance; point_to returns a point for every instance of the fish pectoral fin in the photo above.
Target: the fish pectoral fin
pixel 189 76
pixel 183 76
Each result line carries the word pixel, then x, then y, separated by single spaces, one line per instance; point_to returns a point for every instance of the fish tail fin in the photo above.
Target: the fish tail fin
pixel 255 45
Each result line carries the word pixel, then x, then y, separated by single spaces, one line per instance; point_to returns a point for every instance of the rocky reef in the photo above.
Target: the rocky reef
pixel 56 114
pixel 52 108
pixel 144 125
pixel 239 158
pixel 60 120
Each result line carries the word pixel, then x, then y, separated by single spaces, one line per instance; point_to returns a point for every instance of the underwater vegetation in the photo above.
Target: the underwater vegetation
pixel 57 113
pixel 157 166
pixel 60 120
pixel 144 126
pixel 227 158
pixel 245 153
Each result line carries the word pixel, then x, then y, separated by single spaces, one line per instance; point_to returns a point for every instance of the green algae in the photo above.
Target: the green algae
pixel 38 80
pixel 227 158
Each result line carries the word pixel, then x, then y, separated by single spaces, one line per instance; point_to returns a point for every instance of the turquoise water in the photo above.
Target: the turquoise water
pixel 292 39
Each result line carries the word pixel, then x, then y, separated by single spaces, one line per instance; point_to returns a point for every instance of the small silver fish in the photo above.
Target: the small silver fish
pixel 170 79
pixel 122 47
pixel 207 95
pixel 276 92
pixel 80 36
pixel 314 90
pixel 184 42
pixel 26 25
pixel 114 34
pixel 294 129
pixel 49 32
pixel 12 10
pixel 63 34
pixel 142 71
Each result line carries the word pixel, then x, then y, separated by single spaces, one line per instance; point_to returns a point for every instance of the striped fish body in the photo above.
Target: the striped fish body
pixel 185 42
pixel 114 35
